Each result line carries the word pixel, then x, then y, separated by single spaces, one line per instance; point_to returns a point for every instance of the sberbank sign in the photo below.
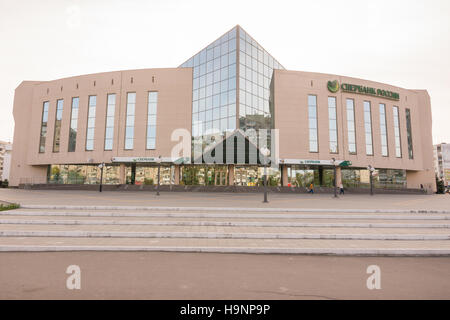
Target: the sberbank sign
pixel 333 86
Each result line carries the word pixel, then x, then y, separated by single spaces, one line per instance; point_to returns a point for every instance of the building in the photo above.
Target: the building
pixel 442 162
pixel 5 160
pixel 231 101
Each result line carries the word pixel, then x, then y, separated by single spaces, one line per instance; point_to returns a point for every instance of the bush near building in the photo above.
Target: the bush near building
pixel 440 186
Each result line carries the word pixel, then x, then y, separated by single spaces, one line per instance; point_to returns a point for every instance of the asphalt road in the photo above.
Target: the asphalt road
pixel 139 275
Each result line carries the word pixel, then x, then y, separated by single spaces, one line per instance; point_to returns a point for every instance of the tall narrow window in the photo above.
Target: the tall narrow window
pixel 110 111
pixel 129 129
pixel 398 147
pixel 58 119
pixel 312 117
pixel 351 126
pixel 91 123
pixel 409 131
pixel 73 124
pixel 151 119
pixel 43 127
pixel 368 128
pixel 332 118
pixel 383 131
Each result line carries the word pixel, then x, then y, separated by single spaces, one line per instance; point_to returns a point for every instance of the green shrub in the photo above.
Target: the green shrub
pixel 148 181
pixel 9 206
pixel 440 186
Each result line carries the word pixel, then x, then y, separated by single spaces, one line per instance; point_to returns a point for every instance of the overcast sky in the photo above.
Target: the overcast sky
pixel 400 42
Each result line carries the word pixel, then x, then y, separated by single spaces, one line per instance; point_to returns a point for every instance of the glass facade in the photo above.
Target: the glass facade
pixel 44 123
pixel 110 112
pixel 58 120
pixel 368 128
pixel 256 67
pixel 351 126
pixel 91 123
pixel 332 120
pixel 383 131
pixel 214 87
pixel 82 174
pixel 409 133
pixel 151 119
pixel 129 128
pixel 398 146
pixel 73 124
pixel 216 101
pixel 312 120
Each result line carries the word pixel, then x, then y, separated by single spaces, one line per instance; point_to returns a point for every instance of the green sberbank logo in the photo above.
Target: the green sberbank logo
pixel 333 86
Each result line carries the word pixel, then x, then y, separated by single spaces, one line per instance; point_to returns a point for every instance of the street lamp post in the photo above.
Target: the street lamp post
pixel 335 182
pixel 158 160
pixel 265 152
pixel 371 170
pixel 101 166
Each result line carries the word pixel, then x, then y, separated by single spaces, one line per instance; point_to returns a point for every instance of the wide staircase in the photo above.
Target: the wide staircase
pixel 226 230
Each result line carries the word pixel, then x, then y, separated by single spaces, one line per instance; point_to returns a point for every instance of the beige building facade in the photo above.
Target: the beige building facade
pixel 65 128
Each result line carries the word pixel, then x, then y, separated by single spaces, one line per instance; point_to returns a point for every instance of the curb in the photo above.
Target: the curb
pixel 295 251
pixel 229 209
pixel 224 224
pixel 215 235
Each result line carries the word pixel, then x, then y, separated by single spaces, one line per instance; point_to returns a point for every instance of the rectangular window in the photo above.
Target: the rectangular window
pixel 332 118
pixel 43 127
pixel 368 128
pixel 312 117
pixel 409 132
pixel 129 128
pixel 91 123
pixel 73 124
pixel 383 131
pixel 151 119
pixel 398 147
pixel 58 119
pixel 351 126
pixel 110 111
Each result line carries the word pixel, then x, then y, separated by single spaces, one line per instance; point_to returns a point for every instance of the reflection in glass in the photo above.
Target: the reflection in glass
pixel 58 120
pixel 73 124
pixel 44 121
pixel 91 123
pixel 110 111
pixel 129 127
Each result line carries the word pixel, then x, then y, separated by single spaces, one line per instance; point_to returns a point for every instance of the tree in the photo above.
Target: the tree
pixel 440 186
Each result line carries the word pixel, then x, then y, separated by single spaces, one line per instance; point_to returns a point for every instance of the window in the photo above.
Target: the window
pixel 73 124
pixel 351 126
pixel 151 119
pixel 129 128
pixel 91 123
pixel 110 111
pixel 312 117
pixel 368 128
pixel 58 119
pixel 383 131
pixel 332 118
pixel 398 147
pixel 409 132
pixel 43 127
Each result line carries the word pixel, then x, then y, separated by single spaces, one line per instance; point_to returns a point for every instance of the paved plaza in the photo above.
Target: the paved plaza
pixel 248 200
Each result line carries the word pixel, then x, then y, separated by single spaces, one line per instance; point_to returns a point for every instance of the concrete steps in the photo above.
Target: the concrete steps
pixel 220 230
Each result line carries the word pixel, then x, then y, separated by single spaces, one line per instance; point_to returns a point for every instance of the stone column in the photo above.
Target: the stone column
pixel 177 175
pixel 122 178
pixel 284 175
pixel 231 175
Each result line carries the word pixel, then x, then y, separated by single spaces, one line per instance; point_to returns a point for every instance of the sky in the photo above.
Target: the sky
pixel 405 43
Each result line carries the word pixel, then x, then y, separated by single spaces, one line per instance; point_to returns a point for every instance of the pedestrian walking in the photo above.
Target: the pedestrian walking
pixel 311 188
pixel 341 188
